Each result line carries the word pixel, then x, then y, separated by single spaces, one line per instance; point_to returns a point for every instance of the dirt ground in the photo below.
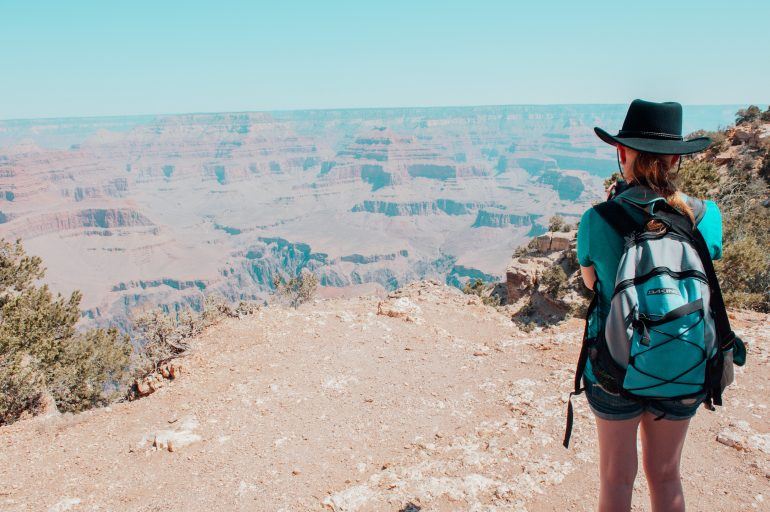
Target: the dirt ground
pixel 431 401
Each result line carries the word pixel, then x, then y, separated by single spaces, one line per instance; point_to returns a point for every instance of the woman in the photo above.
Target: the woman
pixel 649 148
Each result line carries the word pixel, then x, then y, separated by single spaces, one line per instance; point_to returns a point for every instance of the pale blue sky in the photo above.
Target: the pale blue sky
pixel 68 58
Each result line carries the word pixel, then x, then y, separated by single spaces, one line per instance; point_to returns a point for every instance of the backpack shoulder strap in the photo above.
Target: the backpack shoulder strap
pixel 725 335
pixel 615 214
pixel 580 370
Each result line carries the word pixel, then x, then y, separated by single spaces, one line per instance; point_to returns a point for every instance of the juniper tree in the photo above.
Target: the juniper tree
pixel 298 289
pixel 556 223
pixel 41 351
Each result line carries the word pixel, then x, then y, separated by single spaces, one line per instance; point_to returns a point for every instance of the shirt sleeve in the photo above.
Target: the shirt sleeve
pixel 583 239
pixel 710 227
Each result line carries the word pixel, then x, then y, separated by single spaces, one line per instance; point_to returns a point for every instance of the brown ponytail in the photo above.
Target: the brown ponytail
pixel 654 171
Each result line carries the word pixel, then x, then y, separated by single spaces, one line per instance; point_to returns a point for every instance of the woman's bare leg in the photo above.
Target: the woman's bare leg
pixel 662 443
pixel 617 463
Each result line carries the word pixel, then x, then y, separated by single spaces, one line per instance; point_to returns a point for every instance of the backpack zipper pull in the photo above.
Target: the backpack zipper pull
pixel 639 325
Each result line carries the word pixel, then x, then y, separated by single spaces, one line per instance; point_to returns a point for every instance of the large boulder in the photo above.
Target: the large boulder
pixel 724 158
pixel 741 136
pixel 555 241
pixel 522 274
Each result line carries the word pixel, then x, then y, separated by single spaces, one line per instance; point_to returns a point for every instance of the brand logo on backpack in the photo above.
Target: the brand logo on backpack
pixel 663 291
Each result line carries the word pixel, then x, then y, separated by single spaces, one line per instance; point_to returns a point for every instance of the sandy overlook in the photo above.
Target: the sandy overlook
pixel 424 400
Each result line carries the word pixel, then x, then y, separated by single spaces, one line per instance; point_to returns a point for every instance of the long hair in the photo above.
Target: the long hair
pixel 654 171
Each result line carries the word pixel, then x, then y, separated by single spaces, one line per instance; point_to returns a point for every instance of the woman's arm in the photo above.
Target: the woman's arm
pixel 589 276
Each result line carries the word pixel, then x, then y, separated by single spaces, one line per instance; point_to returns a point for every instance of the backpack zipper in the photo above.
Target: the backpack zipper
pixel 627 283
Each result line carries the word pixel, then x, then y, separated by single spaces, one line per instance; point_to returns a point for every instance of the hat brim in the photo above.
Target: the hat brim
pixel 656 146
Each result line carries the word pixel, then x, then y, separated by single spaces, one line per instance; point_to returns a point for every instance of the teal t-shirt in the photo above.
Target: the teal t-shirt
pixel 599 245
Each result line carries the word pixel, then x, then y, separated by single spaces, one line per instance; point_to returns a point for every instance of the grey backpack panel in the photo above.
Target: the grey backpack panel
pixel 643 259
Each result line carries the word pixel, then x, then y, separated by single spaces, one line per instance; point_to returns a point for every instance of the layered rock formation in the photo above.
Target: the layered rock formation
pixel 130 210
pixel 543 280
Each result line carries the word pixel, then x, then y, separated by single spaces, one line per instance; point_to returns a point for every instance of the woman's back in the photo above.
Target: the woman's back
pixel 598 245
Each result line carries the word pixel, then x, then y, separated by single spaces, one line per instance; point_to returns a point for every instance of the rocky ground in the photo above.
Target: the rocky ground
pixel 426 400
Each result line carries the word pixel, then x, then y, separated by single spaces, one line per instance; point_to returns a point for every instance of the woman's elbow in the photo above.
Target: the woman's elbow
pixel 589 276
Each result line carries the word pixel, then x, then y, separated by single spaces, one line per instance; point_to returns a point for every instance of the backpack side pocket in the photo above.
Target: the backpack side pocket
pixel 728 372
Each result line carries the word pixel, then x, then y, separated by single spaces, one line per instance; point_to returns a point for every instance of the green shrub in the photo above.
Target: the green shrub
pixel 740 189
pixel 473 287
pixel 553 280
pixel 21 387
pixel 526 317
pixel 698 178
pixel 744 300
pixel 556 223
pixel 296 290
pixel 747 115
pixel 477 287
pixel 163 336
pixel 41 353
pixel 527 327
pixel 764 155
pixel 94 368
pixel 745 273
pixel 578 309
pixel 520 251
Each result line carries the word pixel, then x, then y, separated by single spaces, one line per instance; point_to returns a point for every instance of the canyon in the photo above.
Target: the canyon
pixel 161 210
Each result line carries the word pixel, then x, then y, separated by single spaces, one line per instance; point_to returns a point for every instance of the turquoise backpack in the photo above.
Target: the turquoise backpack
pixel 667 334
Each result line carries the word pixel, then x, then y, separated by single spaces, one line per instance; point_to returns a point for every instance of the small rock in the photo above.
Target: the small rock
pixel 172 440
pixel 142 389
pixel 732 440
pixel 760 442
pixel 64 505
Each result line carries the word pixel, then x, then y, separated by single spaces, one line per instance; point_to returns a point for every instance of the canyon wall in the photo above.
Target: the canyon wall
pixel 149 210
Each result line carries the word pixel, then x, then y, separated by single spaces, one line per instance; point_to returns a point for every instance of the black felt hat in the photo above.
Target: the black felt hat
pixel 654 128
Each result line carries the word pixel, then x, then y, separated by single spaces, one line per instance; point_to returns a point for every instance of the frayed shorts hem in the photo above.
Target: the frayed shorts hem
pixel 612 407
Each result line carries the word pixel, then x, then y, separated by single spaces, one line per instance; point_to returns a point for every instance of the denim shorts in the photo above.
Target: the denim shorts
pixel 609 406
